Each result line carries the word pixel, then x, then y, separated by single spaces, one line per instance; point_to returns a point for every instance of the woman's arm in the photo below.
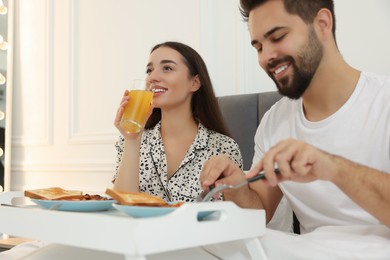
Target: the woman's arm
pixel 127 178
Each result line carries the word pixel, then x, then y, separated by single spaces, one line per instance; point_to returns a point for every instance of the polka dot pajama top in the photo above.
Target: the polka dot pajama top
pixel 184 185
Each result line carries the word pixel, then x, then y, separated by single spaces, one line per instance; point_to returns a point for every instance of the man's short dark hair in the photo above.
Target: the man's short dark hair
pixel 306 9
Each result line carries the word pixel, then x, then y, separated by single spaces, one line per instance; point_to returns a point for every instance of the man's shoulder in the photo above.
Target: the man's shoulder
pixel 283 107
pixel 374 87
pixel 374 79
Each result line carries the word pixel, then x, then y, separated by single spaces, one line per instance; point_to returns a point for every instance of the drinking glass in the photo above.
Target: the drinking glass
pixel 134 116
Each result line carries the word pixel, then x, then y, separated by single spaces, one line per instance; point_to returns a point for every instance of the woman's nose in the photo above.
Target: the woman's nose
pixel 152 76
pixel 152 79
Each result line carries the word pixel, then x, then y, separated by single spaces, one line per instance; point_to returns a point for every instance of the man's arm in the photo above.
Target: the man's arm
pixel 300 162
pixel 368 188
pixel 258 195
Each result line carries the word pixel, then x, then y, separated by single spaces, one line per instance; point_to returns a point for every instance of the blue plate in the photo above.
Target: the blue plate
pixel 144 211
pixel 74 205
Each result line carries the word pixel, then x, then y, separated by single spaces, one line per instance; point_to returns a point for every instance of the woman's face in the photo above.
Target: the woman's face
pixel 169 79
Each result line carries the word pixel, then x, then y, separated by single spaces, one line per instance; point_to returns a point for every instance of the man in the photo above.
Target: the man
pixel 330 135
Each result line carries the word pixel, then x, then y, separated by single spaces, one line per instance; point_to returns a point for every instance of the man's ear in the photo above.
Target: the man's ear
pixel 324 24
pixel 195 83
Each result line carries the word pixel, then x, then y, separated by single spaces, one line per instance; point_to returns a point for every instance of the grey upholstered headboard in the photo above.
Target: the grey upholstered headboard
pixel 242 114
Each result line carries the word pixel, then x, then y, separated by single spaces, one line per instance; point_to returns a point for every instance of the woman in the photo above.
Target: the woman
pixel 184 130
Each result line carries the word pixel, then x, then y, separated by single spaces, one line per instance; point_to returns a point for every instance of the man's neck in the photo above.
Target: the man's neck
pixel 330 88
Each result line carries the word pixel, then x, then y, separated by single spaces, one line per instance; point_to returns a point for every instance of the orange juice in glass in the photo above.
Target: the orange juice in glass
pixel 134 116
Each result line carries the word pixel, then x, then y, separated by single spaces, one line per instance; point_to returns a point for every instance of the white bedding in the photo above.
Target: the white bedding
pixel 331 242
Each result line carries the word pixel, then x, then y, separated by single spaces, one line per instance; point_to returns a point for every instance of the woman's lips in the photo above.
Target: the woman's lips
pixel 158 91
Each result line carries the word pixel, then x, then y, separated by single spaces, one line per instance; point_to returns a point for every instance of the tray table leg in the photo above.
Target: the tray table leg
pixel 132 257
pixel 255 249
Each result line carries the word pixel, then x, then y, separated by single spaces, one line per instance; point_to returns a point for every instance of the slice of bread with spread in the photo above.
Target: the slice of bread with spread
pixel 136 198
pixel 54 193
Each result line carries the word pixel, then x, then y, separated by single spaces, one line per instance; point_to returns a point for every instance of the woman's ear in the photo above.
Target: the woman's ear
pixel 195 83
pixel 324 23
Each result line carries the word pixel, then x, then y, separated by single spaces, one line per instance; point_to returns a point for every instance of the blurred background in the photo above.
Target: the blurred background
pixel 71 60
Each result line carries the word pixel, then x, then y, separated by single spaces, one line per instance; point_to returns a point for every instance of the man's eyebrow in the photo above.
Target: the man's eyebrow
pixel 162 62
pixel 268 34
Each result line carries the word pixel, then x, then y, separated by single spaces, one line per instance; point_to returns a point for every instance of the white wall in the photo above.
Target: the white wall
pixel 73 60
pixel 363 33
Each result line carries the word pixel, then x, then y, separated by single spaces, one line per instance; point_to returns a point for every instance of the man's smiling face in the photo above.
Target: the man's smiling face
pixel 288 49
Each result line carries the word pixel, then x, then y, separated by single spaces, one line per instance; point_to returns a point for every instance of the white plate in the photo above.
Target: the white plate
pixel 144 211
pixel 74 205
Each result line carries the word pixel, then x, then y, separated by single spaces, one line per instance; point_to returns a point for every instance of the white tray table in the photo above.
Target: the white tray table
pixel 115 232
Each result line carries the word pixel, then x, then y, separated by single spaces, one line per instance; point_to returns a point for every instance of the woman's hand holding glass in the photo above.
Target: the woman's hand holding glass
pixel 134 110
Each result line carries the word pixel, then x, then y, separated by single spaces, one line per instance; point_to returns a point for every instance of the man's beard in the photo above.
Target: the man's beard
pixel 303 68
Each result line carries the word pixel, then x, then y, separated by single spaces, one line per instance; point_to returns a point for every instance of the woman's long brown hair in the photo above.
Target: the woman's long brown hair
pixel 204 104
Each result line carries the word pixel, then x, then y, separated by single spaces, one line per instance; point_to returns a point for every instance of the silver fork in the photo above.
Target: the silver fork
pixel 207 196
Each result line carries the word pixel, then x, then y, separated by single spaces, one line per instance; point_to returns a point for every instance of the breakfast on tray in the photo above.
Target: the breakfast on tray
pixel 139 199
pixel 56 193
pixel 74 200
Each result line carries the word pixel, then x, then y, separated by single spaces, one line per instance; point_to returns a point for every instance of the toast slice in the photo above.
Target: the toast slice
pixel 54 193
pixel 136 198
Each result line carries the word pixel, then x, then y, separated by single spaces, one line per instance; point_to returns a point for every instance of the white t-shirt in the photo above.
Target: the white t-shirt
pixel 358 131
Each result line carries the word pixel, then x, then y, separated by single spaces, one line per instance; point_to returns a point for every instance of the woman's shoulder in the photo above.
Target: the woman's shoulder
pixel 223 144
pixel 219 139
